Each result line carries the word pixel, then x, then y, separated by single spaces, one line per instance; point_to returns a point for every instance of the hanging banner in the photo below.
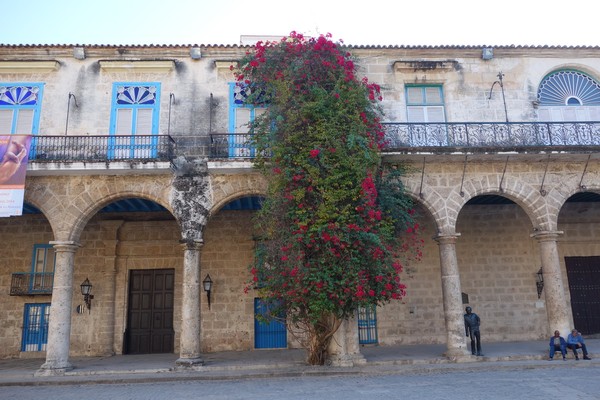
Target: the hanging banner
pixel 14 151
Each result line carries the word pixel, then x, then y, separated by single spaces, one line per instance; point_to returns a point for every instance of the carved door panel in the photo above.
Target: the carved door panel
pixel 150 312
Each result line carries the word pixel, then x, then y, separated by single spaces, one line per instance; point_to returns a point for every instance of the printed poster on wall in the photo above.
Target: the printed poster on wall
pixel 14 151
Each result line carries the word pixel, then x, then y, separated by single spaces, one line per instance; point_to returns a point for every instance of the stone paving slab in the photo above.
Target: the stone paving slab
pixel 286 362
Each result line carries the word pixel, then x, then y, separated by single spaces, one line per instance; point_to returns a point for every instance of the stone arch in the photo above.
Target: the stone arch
pixel 70 204
pixel 431 202
pixel 45 208
pixel 558 196
pixel 228 188
pixel 522 193
pixel 234 196
pixel 93 208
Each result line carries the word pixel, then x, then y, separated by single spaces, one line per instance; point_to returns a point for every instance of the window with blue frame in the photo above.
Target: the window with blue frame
pixel 426 115
pixel 367 325
pixel 20 105
pixel 425 103
pixel 568 95
pixel 43 261
pixel 36 317
pixel 134 120
pixel 240 117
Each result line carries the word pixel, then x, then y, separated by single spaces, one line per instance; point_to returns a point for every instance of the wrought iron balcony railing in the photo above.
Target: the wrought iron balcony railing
pixel 29 284
pixel 102 148
pixel 492 134
pixel 231 145
pixel 488 135
pixel 400 136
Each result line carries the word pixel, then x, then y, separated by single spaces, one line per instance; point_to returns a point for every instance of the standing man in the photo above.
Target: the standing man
pixel 575 341
pixel 472 330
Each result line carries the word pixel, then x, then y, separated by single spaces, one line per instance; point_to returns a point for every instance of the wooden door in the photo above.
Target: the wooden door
pixel 150 312
pixel 268 334
pixel 584 284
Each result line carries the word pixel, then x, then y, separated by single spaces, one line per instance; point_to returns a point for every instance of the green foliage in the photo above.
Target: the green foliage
pixel 333 216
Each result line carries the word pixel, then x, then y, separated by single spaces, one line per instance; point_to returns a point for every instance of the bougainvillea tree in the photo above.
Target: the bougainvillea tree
pixel 334 222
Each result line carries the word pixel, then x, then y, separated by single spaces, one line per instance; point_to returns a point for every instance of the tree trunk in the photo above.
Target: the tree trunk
pixel 320 335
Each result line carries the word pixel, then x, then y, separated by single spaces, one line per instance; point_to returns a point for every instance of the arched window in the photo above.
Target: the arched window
pixel 569 95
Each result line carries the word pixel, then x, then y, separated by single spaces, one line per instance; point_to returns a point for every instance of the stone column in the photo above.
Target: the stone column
pixel 189 349
pixel 59 329
pixel 452 296
pixel 556 302
pixel 344 349
pixel 111 242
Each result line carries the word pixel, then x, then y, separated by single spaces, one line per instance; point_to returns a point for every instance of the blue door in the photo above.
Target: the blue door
pixel 367 325
pixel 268 334
pixel 35 327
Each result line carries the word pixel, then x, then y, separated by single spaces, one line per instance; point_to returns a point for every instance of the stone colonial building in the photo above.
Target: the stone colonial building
pixel 139 182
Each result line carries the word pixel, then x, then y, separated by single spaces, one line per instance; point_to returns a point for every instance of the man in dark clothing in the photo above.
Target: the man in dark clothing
pixel 472 330
pixel 557 343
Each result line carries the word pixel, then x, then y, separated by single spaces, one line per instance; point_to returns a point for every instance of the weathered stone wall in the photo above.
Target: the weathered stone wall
pixel 419 316
pixel 226 255
pixel 18 237
pixel 497 259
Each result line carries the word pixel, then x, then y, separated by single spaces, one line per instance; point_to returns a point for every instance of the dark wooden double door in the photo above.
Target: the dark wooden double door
pixel 150 312
pixel 584 286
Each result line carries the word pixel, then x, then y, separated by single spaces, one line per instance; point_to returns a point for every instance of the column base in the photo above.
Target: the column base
pixel 457 354
pixel 189 362
pixel 53 369
pixel 346 360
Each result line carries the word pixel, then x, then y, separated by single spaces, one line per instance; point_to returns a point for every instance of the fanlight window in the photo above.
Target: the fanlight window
pixel 569 96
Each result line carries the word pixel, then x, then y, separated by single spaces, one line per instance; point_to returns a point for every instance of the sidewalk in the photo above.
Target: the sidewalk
pixel 280 363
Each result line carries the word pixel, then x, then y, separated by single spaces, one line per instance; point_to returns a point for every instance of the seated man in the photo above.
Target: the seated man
pixel 575 341
pixel 557 343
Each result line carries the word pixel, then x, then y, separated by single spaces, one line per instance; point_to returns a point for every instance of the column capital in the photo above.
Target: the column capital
pixel 191 244
pixel 446 238
pixel 546 236
pixel 65 245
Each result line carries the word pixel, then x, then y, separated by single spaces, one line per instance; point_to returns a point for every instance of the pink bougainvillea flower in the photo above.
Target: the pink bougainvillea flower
pixel 314 153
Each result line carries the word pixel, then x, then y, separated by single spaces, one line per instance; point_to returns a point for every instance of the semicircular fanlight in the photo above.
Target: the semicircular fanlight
pixel 569 88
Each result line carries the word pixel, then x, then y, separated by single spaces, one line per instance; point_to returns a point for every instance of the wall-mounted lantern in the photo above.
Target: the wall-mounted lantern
pixel 539 282
pixel 86 291
pixel 207 284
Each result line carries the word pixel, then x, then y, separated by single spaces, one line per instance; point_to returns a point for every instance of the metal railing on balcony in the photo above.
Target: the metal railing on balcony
pixel 492 134
pixel 29 284
pixel 102 148
pixel 231 145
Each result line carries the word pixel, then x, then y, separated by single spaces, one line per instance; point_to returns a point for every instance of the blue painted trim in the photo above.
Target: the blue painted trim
pixel 591 100
pixel 132 146
pixel 38 337
pixel 268 335
pixel 367 326
pixel 33 256
pixel 35 107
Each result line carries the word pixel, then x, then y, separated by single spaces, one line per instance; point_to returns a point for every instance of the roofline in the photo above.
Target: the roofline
pixel 417 47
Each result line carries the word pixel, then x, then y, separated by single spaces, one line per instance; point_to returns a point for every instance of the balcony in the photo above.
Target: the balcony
pixel 492 136
pixel 484 137
pixel 102 148
pixel 231 145
pixel 31 284
pixel 455 136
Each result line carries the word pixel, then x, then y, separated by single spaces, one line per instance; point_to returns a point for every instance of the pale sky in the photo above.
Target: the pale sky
pixel 375 22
